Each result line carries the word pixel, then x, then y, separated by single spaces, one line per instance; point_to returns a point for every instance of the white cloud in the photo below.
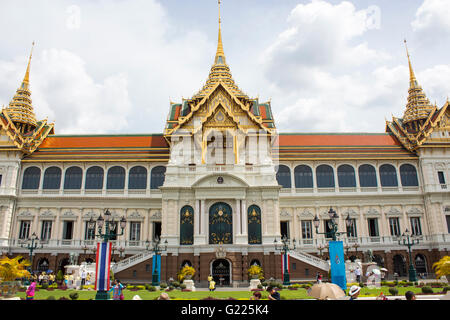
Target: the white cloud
pixel 433 15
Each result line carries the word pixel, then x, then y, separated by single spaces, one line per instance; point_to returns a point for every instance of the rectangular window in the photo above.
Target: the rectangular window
pixel 89 234
pixel 416 229
pixel 156 230
pixel 0 179
pixel 67 230
pixel 135 231
pixel 307 229
pixel 448 223
pixel 46 230
pixel 394 226
pixel 373 227
pixel 351 230
pixel 327 228
pixel 284 226
pixel 441 177
pixel 24 231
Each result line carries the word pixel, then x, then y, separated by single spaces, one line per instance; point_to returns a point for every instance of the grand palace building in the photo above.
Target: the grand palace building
pixel 222 187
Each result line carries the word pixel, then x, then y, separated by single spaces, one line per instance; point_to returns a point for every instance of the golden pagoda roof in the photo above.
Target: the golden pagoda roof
pixel 418 106
pixel 20 109
pixel 220 72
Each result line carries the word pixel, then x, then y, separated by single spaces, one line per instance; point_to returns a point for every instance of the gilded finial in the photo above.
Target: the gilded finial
pixel 27 73
pixel 412 76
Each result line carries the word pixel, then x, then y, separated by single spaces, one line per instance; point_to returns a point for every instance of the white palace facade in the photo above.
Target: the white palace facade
pixel 220 185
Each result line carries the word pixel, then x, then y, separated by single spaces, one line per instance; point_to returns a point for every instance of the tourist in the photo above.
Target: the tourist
pixel 66 279
pixel 319 277
pixel 354 292
pixel 273 294
pixel 117 290
pixel 212 285
pixel 41 278
pixel 409 295
pixel 88 279
pixel 51 278
pixel 358 274
pixel 256 296
pixel 30 291
pixel 83 277
pixel 45 278
pixel 163 296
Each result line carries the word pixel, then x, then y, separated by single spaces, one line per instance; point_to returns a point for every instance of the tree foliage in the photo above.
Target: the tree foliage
pixel 11 269
pixel 442 267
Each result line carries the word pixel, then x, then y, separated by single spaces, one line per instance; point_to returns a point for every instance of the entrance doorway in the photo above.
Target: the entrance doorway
pixel 221 272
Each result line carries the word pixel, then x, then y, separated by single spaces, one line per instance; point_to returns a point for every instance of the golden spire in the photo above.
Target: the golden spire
pixel 20 109
pixel 220 54
pixel 418 106
pixel 220 71
pixel 27 73
pixel 412 76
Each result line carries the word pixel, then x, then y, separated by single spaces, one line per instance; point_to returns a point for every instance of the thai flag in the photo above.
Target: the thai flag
pixel 284 262
pixel 102 266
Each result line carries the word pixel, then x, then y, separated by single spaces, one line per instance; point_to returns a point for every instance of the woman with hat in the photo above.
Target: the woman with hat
pixel 354 292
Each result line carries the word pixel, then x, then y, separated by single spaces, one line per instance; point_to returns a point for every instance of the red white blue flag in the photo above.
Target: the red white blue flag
pixel 102 266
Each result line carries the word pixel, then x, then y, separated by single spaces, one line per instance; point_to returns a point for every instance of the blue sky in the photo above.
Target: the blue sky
pixel 108 66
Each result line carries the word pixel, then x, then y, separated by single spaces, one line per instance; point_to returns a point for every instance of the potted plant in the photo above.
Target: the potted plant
pixel 186 273
pixel 10 270
pixel 255 272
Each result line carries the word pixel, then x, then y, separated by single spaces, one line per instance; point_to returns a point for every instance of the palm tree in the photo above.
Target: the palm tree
pixel 442 267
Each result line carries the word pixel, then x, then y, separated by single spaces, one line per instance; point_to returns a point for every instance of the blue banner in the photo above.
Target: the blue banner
pixel 336 250
pixel 157 260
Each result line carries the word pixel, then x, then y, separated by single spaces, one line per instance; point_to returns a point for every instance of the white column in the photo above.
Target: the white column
pixel 245 217
pixel 238 217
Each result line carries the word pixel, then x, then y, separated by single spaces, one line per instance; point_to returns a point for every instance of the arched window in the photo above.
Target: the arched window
pixel 346 176
pixel 137 178
pixel 408 175
pixel 31 178
pixel 255 262
pixel 94 178
pixel 399 265
pixel 388 176
pixel 284 176
pixel 367 176
pixel 52 178
pixel 157 177
pixel 325 176
pixel 254 225
pixel 186 225
pixel 303 177
pixel 421 263
pixel 115 178
pixel 73 177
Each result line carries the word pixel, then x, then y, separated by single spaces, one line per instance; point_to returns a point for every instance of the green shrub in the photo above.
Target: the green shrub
pixel 427 289
pixel 264 283
pixel 129 287
pixel 139 287
pixel 51 298
pixel 393 291
pixel 361 284
pixel 44 286
pixel 151 288
pixel 396 282
pixel 163 285
pixel 182 286
pixel 260 286
pixel 73 296
pixel 445 289
pixel 175 284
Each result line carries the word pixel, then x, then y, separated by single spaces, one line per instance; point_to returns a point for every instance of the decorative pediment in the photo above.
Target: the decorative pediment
pixel 351 212
pixel 25 214
pixel 156 215
pixel 135 215
pixel 306 213
pixel 414 211
pixel 393 212
pixel 285 213
pixel 89 215
pixel 372 212
pixel 69 215
pixel 47 214
pixel 222 181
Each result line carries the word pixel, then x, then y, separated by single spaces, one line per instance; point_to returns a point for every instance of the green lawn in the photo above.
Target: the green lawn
pixel 241 295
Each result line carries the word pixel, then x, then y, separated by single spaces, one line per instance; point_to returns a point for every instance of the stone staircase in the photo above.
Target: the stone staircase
pixel 310 259
pixel 299 255
pixel 131 261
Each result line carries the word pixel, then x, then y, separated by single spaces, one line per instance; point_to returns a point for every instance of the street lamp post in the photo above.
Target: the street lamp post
pixel 356 245
pixel 409 240
pixel 157 249
pixel 332 224
pixel 285 248
pixel 110 233
pixel 321 248
pixel 32 244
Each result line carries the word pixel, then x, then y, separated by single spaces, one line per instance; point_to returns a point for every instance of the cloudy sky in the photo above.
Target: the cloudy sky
pixel 112 66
